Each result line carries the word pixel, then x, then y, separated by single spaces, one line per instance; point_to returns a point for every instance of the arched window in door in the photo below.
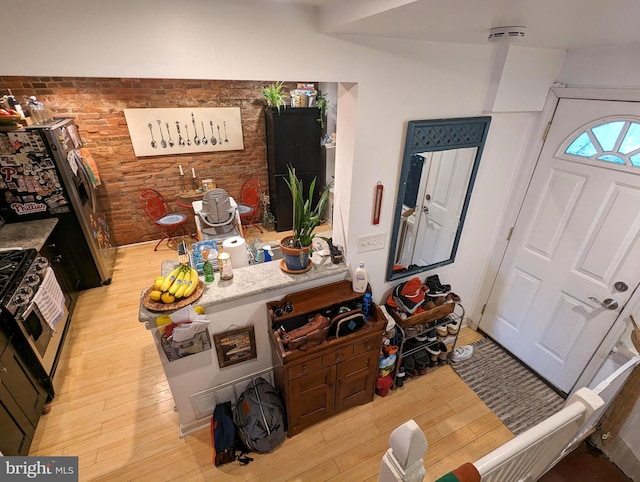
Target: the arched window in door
pixel 616 142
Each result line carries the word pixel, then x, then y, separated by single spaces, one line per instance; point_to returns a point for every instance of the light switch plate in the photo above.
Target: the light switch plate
pixel 371 242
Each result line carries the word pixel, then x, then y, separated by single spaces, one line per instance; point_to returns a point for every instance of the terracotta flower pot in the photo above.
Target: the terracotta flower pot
pixel 295 259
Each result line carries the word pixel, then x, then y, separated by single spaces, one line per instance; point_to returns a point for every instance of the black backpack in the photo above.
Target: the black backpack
pixel 223 434
pixel 259 417
pixel 224 438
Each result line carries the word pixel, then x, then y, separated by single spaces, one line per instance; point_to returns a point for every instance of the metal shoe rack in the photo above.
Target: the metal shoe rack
pixel 456 316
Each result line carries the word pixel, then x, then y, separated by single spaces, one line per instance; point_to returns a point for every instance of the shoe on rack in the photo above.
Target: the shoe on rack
pixel 411 344
pixel 461 353
pixel 422 337
pixel 442 331
pixel 453 328
pixel 422 361
pixel 453 297
pixel 400 377
pixel 431 335
pixel 434 351
pixel 409 365
pixel 413 330
pixel 444 353
pixel 439 300
pixel 428 305
pixel 435 287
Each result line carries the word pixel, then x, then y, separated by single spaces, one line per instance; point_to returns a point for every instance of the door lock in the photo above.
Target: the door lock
pixel 608 303
pixel 621 286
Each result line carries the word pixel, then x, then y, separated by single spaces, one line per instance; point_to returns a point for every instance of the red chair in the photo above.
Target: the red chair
pixel 249 203
pixel 159 213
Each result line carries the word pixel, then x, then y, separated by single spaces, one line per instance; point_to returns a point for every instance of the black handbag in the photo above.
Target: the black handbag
pixel 346 323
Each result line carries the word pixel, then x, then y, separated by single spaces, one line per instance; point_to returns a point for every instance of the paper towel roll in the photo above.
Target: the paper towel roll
pixel 237 248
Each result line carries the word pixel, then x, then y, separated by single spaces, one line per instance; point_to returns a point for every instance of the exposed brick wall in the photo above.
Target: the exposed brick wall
pixel 97 105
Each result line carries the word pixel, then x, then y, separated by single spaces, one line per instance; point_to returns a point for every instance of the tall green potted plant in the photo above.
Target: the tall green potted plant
pixel 306 217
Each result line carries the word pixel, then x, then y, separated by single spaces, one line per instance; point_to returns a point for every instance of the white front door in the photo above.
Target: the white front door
pixel 576 236
pixel 440 202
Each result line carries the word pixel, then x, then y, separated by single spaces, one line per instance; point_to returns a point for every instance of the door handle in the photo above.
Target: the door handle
pixel 608 303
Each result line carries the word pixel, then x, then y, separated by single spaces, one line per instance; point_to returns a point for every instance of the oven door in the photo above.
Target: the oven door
pixel 44 340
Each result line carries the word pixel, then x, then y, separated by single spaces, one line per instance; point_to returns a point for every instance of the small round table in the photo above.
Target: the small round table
pixel 185 198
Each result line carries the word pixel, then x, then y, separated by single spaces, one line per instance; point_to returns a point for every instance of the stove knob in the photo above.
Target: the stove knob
pixel 19 300
pixel 32 279
pixel 24 291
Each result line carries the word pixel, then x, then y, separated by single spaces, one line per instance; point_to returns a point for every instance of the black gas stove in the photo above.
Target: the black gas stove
pixel 30 276
pixel 14 265
pixel 21 274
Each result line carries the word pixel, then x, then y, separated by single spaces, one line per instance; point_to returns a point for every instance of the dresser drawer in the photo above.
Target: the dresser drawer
pixel 337 355
pixel 368 344
pixel 305 368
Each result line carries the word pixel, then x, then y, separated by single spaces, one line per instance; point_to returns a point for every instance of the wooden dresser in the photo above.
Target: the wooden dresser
pixel 333 376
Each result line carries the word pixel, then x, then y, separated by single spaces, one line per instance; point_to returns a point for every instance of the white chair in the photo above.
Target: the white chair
pixel 215 218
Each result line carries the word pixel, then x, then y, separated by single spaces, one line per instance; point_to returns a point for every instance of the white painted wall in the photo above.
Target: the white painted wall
pixel 384 83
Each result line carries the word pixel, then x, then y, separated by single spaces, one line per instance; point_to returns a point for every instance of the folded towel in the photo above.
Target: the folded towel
pixel 49 300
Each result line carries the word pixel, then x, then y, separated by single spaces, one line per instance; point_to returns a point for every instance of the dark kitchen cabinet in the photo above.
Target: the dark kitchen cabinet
pixel 21 401
pixel 293 139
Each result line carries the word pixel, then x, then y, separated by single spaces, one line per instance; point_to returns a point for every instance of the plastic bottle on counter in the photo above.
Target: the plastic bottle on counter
pixel 224 266
pixel 360 279
pixel 366 306
pixel 14 104
pixel 207 269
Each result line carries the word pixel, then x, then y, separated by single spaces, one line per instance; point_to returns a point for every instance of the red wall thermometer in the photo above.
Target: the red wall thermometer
pixel 377 203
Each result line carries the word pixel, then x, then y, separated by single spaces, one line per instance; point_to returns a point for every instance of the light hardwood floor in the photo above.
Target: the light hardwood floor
pixel 114 409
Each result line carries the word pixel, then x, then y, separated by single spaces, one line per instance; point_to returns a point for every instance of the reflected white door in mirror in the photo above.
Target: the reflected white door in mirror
pixel 435 213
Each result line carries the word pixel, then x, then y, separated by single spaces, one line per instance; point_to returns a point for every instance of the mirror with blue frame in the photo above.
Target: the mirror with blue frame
pixel 439 167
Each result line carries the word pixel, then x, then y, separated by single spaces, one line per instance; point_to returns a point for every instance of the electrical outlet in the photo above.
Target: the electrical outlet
pixel 371 242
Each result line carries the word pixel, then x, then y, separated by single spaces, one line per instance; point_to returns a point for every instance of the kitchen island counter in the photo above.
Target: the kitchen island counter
pixel 253 280
pixel 197 381
pixel 27 235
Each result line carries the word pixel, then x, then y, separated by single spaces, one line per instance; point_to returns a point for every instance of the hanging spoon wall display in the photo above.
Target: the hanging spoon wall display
pixel 180 131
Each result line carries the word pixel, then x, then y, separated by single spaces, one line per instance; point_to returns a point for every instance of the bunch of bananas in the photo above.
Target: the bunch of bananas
pixel 180 283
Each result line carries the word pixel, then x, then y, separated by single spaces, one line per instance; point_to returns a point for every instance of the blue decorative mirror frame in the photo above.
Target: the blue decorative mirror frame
pixel 439 167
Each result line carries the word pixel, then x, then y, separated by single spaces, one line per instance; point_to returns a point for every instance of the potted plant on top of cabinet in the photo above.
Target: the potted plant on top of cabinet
pixel 306 217
pixel 274 95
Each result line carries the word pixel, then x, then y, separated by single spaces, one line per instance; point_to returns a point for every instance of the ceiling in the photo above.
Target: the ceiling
pixel 550 24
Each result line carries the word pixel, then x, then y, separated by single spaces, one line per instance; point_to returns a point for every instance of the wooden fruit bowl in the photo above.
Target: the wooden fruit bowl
pixel 160 306
pixel 9 119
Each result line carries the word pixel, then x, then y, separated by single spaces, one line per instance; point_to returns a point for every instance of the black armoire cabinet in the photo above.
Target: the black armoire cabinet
pixel 293 139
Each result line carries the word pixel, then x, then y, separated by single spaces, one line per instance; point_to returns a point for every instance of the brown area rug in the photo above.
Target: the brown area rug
pixel 515 394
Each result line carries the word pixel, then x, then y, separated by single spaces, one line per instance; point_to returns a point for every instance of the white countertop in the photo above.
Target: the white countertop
pixel 252 280
pixel 27 234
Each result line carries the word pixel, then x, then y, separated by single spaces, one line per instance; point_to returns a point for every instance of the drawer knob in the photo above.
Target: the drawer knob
pixel 3 370
pixel 367 346
pixel 304 368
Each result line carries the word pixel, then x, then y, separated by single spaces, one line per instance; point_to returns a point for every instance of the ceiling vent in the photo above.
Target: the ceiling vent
pixel 506 34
